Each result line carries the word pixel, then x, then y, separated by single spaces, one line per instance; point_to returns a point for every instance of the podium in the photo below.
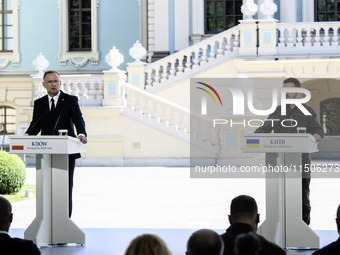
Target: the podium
pixel 284 225
pixel 51 224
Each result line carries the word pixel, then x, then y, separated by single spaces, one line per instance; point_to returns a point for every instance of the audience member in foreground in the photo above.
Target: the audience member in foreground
pixel 244 218
pixel 147 245
pixel 205 242
pixel 247 244
pixel 10 245
pixel 332 248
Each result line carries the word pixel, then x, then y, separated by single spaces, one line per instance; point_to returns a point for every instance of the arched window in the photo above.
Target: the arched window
pixel 221 15
pixel 7 120
pixel 327 10
pixel 330 109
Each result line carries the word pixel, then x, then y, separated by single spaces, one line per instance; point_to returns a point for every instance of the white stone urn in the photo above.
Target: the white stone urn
pixel 114 58
pixel 137 52
pixel 249 9
pixel 268 9
pixel 40 64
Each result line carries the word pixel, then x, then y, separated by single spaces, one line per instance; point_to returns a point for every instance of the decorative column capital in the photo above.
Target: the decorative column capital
pixel 268 9
pixel 137 52
pixel 249 9
pixel 114 58
pixel 40 64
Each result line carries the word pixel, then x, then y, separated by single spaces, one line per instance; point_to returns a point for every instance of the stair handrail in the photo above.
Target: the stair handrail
pixel 192 56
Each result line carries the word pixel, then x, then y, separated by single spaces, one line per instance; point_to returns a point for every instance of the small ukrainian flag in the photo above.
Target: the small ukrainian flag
pixel 253 143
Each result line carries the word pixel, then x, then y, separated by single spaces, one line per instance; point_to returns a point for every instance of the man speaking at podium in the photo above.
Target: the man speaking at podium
pixel 56 111
pixel 313 127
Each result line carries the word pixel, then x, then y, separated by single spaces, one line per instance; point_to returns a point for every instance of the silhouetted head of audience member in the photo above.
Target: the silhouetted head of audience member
pixel 247 244
pixel 6 215
pixel 205 242
pixel 338 219
pixel 243 209
pixel 147 245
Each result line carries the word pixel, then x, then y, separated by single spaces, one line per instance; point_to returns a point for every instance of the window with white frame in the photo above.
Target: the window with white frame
pixel 7 120
pixel 80 25
pixel 9 38
pixel 221 15
pixel 6 26
pixel 327 10
pixel 78 32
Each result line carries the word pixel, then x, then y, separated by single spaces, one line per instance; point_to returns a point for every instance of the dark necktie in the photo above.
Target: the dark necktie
pixel 52 106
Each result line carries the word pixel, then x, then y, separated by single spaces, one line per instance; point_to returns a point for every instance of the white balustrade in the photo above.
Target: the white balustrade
pixel 88 88
pixel 174 116
pixel 293 38
pixel 300 38
pixel 156 107
pixel 190 58
pixel 308 38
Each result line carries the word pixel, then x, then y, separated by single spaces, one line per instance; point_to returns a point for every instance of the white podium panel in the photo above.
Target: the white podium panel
pixel 284 225
pixel 45 145
pixel 51 224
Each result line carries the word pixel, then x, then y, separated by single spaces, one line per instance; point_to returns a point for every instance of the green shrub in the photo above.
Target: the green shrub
pixel 12 173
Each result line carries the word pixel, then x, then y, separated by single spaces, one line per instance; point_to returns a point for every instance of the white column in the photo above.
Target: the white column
pixel 198 17
pixel 181 24
pixel 136 74
pixel 288 11
pixel 112 88
pixel 307 11
pixel 248 38
pixel 161 25
pixel 267 37
pixel 143 23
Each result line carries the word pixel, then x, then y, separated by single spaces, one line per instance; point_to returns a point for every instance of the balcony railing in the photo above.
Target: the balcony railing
pixel 308 38
pixel 255 38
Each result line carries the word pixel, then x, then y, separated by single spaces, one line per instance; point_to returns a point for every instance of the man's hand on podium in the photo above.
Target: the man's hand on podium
pixel 317 137
pixel 82 138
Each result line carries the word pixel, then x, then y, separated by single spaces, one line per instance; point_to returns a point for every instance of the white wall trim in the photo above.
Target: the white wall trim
pixel 64 54
pixel 198 17
pixel 307 11
pixel 181 24
pixel 161 24
pixel 151 29
pixel 14 56
pixel 143 20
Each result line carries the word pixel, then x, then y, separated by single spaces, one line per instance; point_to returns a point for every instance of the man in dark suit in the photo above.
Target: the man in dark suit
pixel 57 111
pixel 332 248
pixel 244 218
pixel 313 127
pixel 205 242
pixel 9 245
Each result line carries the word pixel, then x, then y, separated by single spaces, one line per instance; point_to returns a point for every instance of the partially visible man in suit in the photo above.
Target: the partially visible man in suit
pixel 244 218
pixel 9 245
pixel 205 242
pixel 332 248
pixel 57 111
pixel 313 127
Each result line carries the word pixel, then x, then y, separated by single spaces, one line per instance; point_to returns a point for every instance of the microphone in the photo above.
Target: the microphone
pixel 35 123
pixel 56 123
